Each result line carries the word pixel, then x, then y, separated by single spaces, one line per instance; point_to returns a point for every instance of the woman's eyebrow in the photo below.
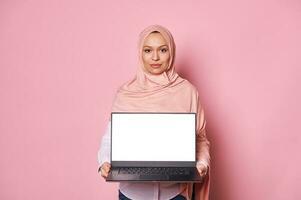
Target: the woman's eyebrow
pixel 152 46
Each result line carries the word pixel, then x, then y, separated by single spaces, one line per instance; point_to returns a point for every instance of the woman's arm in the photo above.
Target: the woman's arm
pixel 104 152
pixel 202 143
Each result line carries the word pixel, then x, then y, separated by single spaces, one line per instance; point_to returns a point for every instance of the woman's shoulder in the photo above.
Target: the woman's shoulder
pixel 189 86
pixel 125 85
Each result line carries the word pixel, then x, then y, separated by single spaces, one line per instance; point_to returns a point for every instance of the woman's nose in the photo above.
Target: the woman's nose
pixel 155 56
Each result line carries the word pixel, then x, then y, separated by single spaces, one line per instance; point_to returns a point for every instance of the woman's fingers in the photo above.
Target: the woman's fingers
pixel 202 169
pixel 104 173
pixel 105 169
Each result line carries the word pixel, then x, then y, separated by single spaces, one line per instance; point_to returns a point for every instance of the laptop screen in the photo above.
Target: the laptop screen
pixel 153 136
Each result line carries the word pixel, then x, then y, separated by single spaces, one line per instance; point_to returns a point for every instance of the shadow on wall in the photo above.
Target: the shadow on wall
pixel 220 182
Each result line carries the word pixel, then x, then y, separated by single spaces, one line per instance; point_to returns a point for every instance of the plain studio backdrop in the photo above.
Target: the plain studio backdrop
pixel 61 62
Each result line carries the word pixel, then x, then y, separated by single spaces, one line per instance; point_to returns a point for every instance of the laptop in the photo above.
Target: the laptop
pixel 148 146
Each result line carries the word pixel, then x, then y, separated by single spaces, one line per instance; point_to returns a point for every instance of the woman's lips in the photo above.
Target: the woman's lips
pixel 155 65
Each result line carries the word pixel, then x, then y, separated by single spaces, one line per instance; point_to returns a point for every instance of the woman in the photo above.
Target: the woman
pixel 158 88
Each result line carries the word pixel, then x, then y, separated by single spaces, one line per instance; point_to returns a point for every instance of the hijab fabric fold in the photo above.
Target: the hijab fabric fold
pixel 166 92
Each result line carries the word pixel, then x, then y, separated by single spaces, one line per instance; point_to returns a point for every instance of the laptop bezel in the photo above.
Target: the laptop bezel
pixel 153 163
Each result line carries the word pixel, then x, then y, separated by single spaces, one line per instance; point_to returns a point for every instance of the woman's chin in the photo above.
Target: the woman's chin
pixel 156 71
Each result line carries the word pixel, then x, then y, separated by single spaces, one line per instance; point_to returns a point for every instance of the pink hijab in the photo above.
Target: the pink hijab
pixel 166 92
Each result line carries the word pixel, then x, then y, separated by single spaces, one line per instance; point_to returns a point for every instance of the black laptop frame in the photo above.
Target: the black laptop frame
pixel 153 163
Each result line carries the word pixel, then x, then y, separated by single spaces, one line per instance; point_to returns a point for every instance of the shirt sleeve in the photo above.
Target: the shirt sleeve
pixel 104 151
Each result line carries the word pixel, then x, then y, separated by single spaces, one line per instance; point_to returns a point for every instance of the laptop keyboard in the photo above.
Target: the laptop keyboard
pixel 154 170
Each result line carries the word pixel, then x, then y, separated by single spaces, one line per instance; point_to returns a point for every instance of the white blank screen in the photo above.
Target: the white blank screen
pixel 153 137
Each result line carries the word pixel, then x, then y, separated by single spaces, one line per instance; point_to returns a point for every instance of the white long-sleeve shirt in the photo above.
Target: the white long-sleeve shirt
pixel 137 190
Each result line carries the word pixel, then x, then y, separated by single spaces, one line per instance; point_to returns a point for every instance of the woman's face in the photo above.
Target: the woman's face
pixel 155 53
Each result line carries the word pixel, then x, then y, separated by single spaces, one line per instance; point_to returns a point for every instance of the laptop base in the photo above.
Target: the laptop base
pixel 192 175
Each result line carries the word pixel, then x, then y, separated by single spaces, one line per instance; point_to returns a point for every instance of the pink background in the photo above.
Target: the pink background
pixel 62 61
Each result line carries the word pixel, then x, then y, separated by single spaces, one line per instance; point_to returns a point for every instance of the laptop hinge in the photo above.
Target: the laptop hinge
pixel 153 164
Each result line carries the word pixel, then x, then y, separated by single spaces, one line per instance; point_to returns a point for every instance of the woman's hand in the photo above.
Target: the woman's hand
pixel 202 169
pixel 105 169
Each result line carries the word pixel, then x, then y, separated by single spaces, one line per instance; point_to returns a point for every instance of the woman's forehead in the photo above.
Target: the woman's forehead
pixel 155 39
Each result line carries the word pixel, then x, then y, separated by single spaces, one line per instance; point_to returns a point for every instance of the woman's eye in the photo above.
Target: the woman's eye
pixel 147 50
pixel 164 50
